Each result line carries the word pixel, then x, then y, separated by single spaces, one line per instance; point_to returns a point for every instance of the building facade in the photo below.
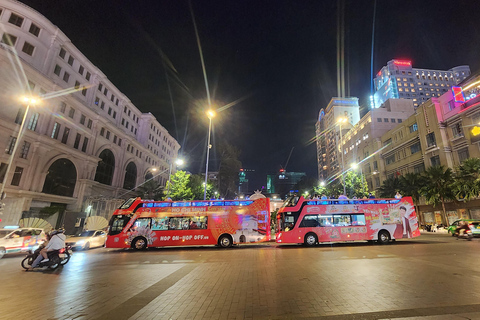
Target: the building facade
pixel 328 133
pixel 363 142
pixel 444 131
pixel 82 140
pixel 399 80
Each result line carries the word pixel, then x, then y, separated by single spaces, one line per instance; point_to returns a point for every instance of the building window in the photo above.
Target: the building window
pixel 463 154
pixel 70 60
pixel 56 129
pixel 20 115
pixel 399 120
pixel 123 121
pixel 63 107
pixel 419 168
pixel 77 85
pixel 120 142
pixel 457 130
pixel 415 148
pixel 105 167
pixel 84 91
pixel 82 119
pixel 431 142
pixel 435 160
pixel 15 20
pixel 107 136
pixel 102 105
pixel 413 128
pixel 385 119
pixel 17 176
pixel 379 119
pixel 66 76
pixel 109 111
pixel 114 114
pixel 114 139
pixel 32 124
pixel 28 48
pixel 89 124
pixel 390 159
pixel 81 69
pixel 87 76
pixel 392 120
pixel 85 144
pixel 57 70
pixel 25 148
pixel 10 145
pixel 62 53
pixel 112 98
pixel 71 113
pixel 8 39
pixel 100 87
pixel 375 165
pixel 66 132
pixel 387 142
pixel 105 92
pixel 77 140
pixel 102 132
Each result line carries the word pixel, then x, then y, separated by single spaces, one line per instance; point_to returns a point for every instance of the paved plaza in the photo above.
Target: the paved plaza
pixel 411 279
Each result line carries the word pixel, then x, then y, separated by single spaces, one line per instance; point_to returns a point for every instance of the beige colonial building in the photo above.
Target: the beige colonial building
pixel 84 143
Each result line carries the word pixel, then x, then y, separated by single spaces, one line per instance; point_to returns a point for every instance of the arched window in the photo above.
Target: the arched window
pixel 61 178
pixel 148 175
pixel 130 176
pixel 106 167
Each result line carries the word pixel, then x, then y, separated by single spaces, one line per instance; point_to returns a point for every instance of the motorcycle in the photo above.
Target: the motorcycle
pixel 56 258
pixel 464 234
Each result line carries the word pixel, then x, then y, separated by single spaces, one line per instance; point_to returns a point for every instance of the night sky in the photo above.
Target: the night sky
pixel 277 57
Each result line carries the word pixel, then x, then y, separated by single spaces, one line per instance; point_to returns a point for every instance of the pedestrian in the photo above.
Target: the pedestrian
pixel 343 197
pixel 398 195
pixel 371 196
pixel 324 197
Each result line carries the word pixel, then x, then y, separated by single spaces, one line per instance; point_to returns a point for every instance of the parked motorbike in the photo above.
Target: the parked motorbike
pixel 56 258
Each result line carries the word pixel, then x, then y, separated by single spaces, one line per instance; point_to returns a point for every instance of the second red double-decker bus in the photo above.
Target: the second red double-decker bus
pixel 313 221
pixel 141 223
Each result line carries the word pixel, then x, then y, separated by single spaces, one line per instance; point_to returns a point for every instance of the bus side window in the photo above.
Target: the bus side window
pixel 341 220
pixel 141 223
pixel 358 220
pixel 309 221
pixel 198 222
pixel 160 223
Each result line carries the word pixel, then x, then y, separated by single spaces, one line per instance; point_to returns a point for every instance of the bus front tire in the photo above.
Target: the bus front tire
pixel 310 240
pixel 139 243
pixel 383 237
pixel 225 241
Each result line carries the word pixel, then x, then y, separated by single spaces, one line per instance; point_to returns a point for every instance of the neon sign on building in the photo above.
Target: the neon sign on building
pixel 458 94
pixel 403 63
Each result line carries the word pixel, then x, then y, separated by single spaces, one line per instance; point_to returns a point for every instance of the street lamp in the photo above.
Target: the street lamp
pixel 210 114
pixel 355 167
pixel 178 162
pixel 340 121
pixel 28 100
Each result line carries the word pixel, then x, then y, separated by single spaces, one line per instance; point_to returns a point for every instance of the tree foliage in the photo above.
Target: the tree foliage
pixel 389 188
pixel 467 179
pixel 196 186
pixel 177 188
pixel 151 189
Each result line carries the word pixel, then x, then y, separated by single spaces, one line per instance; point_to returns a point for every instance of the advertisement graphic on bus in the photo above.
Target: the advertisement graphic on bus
pixel 145 223
pixel 314 221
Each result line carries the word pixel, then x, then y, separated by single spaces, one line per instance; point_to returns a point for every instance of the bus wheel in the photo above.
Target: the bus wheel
pixel 310 239
pixel 383 237
pixel 225 241
pixel 139 243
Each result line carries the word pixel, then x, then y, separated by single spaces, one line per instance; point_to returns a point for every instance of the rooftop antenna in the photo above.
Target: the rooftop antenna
pixel 288 159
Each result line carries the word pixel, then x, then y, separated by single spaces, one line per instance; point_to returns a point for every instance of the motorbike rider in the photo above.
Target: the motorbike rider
pixel 464 226
pixel 56 242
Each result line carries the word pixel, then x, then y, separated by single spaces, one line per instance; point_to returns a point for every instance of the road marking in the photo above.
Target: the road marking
pixel 140 300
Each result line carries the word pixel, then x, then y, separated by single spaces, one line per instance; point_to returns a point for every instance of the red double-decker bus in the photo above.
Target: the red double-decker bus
pixel 139 224
pixel 314 221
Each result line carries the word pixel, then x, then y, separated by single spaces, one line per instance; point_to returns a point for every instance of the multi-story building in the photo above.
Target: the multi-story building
pixel 443 131
pixel 362 143
pixel 283 183
pixel 328 135
pixel 399 80
pixel 83 140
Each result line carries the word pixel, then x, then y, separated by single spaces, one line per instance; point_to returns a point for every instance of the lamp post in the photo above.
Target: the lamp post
pixel 210 114
pixel 28 100
pixel 178 162
pixel 340 121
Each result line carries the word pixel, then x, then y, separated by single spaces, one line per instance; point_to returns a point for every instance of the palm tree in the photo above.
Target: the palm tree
pixel 410 185
pixel 389 188
pixel 467 179
pixel 438 187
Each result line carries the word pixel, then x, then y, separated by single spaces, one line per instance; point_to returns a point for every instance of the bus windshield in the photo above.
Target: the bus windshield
pixel 287 221
pixel 127 203
pixel 290 202
pixel 117 223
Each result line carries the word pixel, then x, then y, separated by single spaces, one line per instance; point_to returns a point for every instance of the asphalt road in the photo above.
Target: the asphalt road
pixel 434 276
